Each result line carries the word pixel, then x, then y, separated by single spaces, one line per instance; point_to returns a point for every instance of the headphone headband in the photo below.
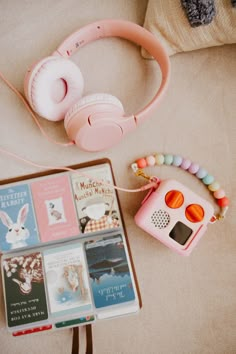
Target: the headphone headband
pixel 126 30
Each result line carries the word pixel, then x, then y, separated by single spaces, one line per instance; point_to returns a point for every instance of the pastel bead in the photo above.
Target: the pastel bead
pixel 208 179
pixel 220 193
pixel 185 164
pixel 177 160
pixel 159 159
pixel 150 160
pixel 194 167
pixel 141 163
pixel 168 159
pixel 223 202
pixel 201 173
pixel 214 186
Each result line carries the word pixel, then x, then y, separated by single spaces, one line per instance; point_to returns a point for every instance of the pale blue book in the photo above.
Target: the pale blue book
pixel 109 271
pixel 18 227
pixel 67 280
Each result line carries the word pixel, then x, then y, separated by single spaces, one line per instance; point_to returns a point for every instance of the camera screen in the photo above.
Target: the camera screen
pixel 180 233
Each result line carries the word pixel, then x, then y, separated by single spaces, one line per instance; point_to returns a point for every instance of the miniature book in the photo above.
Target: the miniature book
pixel 24 289
pixel 95 199
pixel 55 208
pixel 109 271
pixel 17 219
pixel 67 279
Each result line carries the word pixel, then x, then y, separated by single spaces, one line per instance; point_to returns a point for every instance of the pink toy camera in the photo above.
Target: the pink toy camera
pixel 175 215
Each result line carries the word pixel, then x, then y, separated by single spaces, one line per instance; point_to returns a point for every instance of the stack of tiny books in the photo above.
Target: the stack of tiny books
pixel 65 255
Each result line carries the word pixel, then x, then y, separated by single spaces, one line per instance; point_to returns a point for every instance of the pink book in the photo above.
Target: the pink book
pixel 55 209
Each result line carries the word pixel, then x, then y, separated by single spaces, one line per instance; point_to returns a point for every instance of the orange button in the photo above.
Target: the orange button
pixel 174 199
pixel 194 213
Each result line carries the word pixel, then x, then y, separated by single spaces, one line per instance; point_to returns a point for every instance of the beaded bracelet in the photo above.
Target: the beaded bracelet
pixel 187 165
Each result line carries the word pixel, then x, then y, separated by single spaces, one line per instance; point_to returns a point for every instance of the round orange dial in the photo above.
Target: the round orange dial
pixel 174 199
pixel 194 213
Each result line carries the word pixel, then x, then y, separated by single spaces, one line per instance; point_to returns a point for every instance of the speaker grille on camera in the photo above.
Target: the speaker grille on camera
pixel 160 219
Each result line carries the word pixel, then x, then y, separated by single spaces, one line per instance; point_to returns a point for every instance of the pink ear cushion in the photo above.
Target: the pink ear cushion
pixel 42 83
pixel 91 100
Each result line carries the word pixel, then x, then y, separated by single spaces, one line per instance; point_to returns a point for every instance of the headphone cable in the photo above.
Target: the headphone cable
pixel 29 109
pixel 152 184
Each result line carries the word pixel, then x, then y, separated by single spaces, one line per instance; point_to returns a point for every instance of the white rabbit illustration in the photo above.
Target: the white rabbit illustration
pixel 17 233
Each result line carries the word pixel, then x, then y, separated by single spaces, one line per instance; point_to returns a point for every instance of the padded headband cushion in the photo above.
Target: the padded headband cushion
pixel 44 87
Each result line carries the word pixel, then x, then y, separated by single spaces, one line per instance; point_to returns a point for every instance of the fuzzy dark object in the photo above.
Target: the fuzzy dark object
pixel 199 12
pixel 233 3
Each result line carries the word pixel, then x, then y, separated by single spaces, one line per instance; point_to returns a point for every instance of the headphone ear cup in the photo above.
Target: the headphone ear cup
pixel 52 86
pixel 91 101
pixel 90 122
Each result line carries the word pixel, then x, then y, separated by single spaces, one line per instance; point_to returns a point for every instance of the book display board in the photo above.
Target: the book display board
pixel 65 255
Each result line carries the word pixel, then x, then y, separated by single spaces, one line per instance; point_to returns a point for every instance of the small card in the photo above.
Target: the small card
pixel 55 208
pixel 95 199
pixel 24 289
pixel 67 280
pixel 109 272
pixel 17 219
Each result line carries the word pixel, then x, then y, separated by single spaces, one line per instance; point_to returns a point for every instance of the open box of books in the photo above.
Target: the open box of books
pixel 65 255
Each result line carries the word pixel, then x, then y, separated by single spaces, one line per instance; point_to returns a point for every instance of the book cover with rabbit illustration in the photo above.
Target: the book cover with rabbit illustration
pixel 18 226
pixel 109 271
pixel 55 209
pixel 67 280
pixel 95 199
pixel 24 289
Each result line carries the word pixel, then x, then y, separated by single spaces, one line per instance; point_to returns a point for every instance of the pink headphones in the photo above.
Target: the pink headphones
pixel 54 86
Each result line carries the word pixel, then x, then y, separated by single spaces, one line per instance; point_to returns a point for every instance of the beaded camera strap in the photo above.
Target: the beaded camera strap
pixel 208 180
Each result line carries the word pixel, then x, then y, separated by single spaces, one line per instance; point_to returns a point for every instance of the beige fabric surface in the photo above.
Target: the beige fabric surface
pixel 189 304
pixel 167 20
